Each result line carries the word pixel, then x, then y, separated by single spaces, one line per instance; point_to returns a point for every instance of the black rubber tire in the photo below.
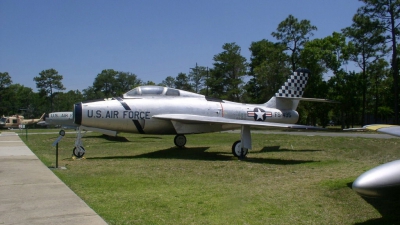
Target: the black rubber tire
pixel 236 149
pixel 180 140
pixel 78 154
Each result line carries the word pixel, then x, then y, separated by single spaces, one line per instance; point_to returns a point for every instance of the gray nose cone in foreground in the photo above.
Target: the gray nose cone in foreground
pixel 380 182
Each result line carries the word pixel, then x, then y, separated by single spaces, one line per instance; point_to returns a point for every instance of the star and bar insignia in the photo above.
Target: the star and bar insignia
pixel 259 114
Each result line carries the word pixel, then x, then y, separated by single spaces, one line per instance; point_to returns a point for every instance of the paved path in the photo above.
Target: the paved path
pixel 31 194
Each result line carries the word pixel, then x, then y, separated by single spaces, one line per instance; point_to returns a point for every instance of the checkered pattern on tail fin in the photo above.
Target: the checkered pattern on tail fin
pixel 294 86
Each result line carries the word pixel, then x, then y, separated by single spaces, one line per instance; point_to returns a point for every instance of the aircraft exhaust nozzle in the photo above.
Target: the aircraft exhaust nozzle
pixel 78 113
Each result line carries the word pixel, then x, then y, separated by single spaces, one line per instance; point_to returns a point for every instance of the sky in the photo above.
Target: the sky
pixel 152 39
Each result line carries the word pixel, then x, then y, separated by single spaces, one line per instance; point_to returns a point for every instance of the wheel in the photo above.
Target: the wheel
pixel 62 132
pixel 237 149
pixel 180 140
pixel 78 152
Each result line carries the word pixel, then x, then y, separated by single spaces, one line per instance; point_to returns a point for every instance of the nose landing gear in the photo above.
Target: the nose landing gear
pixel 78 150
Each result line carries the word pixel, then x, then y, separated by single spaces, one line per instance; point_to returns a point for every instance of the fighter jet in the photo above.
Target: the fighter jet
pixel 163 110
pixel 14 121
pixel 63 119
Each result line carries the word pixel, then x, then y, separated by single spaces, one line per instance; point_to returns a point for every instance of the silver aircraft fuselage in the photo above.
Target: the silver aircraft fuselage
pixel 138 115
pixel 65 119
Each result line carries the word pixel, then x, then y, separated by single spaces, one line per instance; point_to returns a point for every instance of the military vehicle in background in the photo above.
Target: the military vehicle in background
pixel 14 121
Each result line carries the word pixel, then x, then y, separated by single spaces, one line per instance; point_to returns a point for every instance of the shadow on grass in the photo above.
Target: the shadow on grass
pixel 199 153
pixel 278 161
pixel 387 207
pixel 277 149
pixel 109 138
pixel 151 137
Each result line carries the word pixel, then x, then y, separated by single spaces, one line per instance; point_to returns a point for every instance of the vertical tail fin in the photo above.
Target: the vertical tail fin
pixel 288 96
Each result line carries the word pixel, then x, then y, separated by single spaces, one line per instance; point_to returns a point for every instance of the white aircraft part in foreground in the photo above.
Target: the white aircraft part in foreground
pixel 382 181
pixel 163 110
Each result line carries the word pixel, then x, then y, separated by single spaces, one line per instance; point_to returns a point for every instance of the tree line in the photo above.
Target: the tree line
pixel 368 96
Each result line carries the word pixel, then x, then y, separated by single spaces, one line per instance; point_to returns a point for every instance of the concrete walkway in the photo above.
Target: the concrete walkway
pixel 31 194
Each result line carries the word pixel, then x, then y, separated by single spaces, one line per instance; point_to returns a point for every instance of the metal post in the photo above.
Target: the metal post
pixel 56 155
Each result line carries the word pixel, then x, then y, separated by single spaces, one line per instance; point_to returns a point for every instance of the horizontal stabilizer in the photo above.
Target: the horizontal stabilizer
pixel 290 94
pixel 313 100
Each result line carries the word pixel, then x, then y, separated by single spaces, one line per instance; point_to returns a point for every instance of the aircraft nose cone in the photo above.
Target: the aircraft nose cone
pixel 381 181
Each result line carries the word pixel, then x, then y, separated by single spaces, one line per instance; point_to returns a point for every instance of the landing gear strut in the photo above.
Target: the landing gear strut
pixel 78 150
pixel 241 148
pixel 180 140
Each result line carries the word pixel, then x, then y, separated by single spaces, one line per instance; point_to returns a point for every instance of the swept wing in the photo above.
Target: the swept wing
pixel 384 128
pixel 195 119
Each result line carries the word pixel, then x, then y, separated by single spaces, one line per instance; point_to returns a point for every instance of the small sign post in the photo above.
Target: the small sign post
pixel 55 143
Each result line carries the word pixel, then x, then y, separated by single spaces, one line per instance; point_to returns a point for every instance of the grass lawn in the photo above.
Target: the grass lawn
pixel 286 179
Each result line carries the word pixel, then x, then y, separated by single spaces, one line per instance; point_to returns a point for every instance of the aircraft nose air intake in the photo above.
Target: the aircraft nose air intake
pixel 78 113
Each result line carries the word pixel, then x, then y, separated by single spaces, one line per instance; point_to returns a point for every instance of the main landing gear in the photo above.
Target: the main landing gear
pixel 241 148
pixel 238 150
pixel 180 140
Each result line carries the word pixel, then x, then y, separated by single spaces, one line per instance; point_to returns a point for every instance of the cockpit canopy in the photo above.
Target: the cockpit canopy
pixel 158 91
